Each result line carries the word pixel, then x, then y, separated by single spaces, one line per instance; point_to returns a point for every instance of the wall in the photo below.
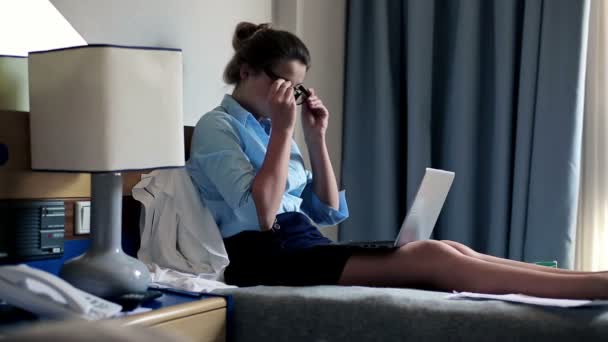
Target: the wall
pixel 33 25
pixel 321 25
pixel 201 28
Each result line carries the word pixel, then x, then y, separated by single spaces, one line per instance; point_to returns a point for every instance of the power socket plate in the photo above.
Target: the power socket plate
pixel 82 217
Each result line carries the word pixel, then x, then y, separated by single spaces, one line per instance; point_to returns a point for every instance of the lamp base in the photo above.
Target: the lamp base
pixel 105 270
pixel 106 275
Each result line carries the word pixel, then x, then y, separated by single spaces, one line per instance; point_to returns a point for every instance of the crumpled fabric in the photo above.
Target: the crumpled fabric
pixel 167 278
pixel 178 232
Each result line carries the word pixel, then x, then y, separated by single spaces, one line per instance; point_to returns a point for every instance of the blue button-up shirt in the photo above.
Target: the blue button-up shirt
pixel 228 149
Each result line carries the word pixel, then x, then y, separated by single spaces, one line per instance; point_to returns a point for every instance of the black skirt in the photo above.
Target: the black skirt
pixel 296 254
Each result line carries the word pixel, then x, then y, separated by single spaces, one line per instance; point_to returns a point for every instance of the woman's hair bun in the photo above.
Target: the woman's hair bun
pixel 245 30
pixel 261 46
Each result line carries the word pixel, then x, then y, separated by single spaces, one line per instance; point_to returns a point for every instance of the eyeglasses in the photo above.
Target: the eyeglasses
pixel 299 91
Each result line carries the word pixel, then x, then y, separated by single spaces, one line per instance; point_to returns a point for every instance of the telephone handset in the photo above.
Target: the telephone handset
pixel 46 295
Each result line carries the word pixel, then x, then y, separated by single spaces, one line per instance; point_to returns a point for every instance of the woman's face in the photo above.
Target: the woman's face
pixel 257 84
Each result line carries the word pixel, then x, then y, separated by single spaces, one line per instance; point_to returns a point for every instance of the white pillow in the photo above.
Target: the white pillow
pixel 177 230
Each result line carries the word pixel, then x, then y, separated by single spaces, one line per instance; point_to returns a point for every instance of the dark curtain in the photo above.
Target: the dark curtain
pixel 490 89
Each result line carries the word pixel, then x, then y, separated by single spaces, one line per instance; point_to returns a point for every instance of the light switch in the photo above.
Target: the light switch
pixel 82 217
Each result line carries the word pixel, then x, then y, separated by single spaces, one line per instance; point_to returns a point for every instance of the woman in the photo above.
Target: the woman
pixel 251 175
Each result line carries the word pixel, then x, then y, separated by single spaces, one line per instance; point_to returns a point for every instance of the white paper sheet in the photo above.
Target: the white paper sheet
pixel 519 298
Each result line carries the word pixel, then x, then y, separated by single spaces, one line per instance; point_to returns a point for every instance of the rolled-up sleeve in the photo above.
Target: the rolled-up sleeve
pixel 321 213
pixel 219 160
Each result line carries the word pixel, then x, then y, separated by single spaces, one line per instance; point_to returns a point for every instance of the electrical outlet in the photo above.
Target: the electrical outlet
pixel 82 217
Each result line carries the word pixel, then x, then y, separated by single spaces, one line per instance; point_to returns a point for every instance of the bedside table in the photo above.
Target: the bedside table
pixel 195 318
pixel 201 320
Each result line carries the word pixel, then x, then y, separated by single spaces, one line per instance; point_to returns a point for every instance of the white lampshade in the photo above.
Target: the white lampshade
pixel 101 108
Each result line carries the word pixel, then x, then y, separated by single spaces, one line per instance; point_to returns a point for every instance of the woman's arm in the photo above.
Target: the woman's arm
pixel 268 186
pixel 315 118
pixel 324 181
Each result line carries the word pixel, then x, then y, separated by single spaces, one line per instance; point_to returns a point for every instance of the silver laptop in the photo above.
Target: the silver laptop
pixel 422 216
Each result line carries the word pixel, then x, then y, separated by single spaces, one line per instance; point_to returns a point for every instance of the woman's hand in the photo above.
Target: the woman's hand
pixel 282 105
pixel 315 117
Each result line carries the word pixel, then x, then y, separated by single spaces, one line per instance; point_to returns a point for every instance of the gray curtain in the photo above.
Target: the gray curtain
pixel 491 89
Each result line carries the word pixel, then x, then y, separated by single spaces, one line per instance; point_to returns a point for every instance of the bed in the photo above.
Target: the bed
pixel 336 313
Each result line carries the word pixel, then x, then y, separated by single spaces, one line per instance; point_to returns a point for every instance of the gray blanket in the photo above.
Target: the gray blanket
pixel 335 313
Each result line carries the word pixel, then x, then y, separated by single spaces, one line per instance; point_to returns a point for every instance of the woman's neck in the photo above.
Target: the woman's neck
pixel 245 101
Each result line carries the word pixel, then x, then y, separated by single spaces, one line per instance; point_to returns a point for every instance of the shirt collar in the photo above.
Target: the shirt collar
pixel 233 108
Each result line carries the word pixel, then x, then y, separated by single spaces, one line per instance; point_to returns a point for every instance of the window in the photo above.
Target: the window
pixel 592 226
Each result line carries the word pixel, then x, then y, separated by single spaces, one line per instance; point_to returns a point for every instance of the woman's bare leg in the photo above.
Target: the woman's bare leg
pixel 470 252
pixel 436 265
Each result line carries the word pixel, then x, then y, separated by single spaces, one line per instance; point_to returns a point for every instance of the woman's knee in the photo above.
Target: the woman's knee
pixel 429 250
pixel 453 243
pixel 432 259
pixel 460 247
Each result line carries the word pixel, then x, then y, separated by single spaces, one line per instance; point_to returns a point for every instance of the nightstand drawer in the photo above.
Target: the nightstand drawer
pixel 208 326
pixel 203 320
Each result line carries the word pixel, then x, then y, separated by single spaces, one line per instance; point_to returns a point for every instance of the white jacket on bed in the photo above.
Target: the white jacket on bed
pixel 177 231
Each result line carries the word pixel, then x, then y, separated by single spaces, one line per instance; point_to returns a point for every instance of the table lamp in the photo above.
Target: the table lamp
pixel 106 109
